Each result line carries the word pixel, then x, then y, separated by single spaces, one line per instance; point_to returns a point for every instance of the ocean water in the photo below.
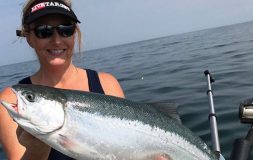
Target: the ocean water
pixel 171 69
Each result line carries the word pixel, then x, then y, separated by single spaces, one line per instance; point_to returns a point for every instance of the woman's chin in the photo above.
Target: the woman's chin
pixel 57 62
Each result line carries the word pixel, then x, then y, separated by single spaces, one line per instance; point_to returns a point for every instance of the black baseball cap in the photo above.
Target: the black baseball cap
pixel 46 7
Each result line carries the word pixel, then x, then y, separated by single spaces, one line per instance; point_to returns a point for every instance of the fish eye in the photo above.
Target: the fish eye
pixel 30 97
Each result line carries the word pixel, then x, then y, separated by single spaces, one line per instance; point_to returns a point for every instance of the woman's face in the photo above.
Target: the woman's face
pixel 55 50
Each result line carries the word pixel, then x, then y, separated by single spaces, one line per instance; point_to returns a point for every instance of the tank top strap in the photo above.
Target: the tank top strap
pixel 94 82
pixel 26 80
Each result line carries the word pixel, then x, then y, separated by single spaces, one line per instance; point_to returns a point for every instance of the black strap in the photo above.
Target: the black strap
pixel 94 82
pixel 26 80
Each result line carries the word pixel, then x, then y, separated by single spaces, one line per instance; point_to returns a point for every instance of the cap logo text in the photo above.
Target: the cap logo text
pixel 48 4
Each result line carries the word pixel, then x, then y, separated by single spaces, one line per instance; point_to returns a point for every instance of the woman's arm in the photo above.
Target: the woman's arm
pixel 8 137
pixel 110 85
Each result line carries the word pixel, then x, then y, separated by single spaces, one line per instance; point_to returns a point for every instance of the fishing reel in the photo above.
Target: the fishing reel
pixel 246 111
pixel 243 146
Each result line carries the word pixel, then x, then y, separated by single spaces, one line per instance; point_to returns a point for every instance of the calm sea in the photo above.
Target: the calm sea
pixel 171 69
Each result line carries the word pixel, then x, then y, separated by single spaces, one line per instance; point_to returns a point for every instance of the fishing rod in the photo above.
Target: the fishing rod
pixel 242 146
pixel 212 116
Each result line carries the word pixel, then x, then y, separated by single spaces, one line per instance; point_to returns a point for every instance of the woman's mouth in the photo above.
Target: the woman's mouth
pixel 56 52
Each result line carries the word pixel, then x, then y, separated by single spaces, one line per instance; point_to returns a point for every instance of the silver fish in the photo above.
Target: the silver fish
pixel 91 126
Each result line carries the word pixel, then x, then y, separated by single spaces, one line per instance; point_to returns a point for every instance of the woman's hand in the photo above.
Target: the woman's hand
pixel 35 149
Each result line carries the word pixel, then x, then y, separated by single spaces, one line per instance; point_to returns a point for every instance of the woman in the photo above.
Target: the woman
pixel 51 29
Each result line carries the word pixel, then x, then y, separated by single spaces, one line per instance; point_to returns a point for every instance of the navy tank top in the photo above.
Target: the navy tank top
pixel 94 86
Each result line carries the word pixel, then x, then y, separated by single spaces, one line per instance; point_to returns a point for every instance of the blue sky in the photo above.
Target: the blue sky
pixel 112 22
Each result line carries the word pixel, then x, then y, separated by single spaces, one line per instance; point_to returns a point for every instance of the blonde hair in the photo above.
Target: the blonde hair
pixel 25 28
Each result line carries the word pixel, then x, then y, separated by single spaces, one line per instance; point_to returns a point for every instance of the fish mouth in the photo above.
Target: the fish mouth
pixel 11 107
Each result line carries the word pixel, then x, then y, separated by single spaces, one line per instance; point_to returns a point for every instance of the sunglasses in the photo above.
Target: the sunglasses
pixel 46 31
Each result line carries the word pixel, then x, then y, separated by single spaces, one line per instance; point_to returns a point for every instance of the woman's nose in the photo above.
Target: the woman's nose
pixel 56 38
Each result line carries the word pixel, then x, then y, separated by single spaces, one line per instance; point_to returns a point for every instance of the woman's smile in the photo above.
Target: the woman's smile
pixel 56 52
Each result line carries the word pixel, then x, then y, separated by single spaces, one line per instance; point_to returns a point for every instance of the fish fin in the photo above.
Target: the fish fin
pixel 168 109
pixel 65 142
pixel 154 156
pixel 162 157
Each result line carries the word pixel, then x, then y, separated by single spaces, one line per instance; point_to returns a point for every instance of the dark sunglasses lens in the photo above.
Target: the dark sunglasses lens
pixel 66 30
pixel 44 31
